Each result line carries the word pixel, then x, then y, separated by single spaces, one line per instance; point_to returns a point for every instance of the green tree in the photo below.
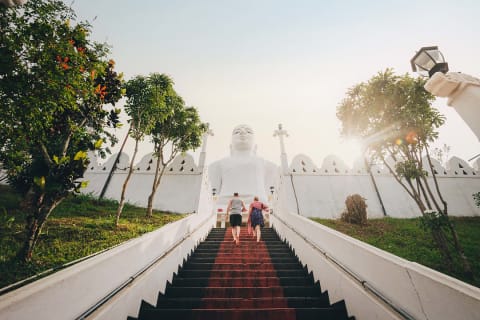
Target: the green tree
pixel 179 131
pixel 394 116
pixel 54 83
pixel 145 106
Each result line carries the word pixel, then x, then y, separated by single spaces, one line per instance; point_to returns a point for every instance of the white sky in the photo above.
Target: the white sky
pixel 265 62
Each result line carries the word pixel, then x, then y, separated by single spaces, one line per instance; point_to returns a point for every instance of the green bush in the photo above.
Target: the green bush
pixel 6 220
pixel 476 197
pixel 356 211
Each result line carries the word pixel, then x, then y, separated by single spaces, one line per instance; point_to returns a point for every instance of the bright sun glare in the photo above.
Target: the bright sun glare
pixel 349 151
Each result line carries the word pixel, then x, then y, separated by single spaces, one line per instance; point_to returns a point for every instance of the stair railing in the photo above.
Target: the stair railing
pixel 416 291
pixel 365 284
pixel 142 271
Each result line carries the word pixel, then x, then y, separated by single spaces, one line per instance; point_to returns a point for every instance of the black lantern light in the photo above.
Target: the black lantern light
pixel 429 60
pixel 214 192
pixel 272 189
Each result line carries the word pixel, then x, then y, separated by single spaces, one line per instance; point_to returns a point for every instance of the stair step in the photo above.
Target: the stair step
pixel 235 266
pixel 242 273
pixel 236 259
pixel 243 292
pixel 250 242
pixel 250 314
pixel 247 303
pixel 285 254
pixel 251 280
pixel 240 281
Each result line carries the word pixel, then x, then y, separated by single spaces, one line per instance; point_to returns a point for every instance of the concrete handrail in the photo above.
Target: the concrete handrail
pixel 413 290
pixel 69 292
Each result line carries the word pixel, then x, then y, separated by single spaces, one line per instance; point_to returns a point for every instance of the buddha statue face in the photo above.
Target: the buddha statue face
pixel 242 138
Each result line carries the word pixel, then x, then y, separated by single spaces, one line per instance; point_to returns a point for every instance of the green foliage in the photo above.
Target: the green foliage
pixel 356 212
pixel 179 131
pixel 6 221
pixel 393 116
pixel 181 128
pixel 407 239
pixel 80 226
pixel 54 83
pixel 409 170
pixel 146 102
pixel 433 221
pixel 52 93
pixel 476 198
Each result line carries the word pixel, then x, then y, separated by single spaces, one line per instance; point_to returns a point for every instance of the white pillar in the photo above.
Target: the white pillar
pixel 283 155
pixel 463 93
pixel 203 153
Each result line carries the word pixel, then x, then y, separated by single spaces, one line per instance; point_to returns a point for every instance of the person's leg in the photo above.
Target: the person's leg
pixel 258 232
pixel 234 233
pixel 238 234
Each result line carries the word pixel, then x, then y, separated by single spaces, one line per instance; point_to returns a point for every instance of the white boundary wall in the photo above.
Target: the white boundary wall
pixel 320 192
pixel 68 293
pixel 310 190
pixel 178 190
pixel 422 292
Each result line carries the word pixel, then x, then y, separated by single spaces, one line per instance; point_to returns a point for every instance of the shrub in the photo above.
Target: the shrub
pixel 6 220
pixel 356 211
pixel 476 197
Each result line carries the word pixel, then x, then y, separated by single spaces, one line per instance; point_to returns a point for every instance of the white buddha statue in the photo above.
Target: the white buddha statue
pixel 243 171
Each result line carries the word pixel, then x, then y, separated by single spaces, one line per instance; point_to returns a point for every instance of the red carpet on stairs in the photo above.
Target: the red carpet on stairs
pixel 250 280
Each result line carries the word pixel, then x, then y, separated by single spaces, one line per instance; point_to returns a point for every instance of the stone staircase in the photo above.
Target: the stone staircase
pixel 222 280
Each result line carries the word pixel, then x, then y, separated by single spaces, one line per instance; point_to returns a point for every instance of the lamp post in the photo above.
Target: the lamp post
pixel 462 90
pixel 429 60
pixel 270 196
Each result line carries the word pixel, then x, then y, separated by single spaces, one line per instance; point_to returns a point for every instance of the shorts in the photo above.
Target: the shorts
pixel 235 220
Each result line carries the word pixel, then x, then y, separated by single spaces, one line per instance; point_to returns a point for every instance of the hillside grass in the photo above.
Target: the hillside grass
pixel 78 227
pixel 405 238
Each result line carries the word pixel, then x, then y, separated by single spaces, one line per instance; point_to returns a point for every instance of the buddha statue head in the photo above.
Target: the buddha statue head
pixel 242 139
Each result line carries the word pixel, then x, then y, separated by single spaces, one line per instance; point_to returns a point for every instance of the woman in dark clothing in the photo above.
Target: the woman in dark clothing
pixel 255 214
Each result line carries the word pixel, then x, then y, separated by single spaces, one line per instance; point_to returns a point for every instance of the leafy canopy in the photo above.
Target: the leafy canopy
pixel 181 128
pixel 393 116
pixel 146 102
pixel 54 83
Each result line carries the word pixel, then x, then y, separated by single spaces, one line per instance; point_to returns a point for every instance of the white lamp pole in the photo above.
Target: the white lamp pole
pixel 462 90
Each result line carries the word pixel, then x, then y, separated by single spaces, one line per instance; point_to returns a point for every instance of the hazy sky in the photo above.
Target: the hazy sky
pixel 266 62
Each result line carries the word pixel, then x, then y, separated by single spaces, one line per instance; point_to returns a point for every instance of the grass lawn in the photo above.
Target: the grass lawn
pixel 78 227
pixel 405 238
